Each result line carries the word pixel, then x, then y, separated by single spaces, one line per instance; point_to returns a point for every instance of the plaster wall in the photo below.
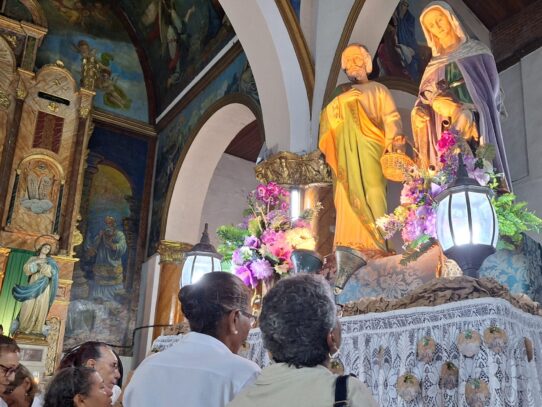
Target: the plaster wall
pixel 523 98
pixel 232 180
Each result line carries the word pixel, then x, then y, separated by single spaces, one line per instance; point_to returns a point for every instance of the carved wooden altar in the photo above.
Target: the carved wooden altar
pixel 44 133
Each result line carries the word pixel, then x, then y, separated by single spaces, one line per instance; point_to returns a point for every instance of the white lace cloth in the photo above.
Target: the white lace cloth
pixel 380 347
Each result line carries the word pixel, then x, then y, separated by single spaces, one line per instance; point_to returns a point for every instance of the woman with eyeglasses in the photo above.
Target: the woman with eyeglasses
pixel 203 368
pixel 77 387
pixel 301 330
pixel 21 392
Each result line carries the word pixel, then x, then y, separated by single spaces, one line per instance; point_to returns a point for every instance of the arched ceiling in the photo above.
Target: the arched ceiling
pixel 153 49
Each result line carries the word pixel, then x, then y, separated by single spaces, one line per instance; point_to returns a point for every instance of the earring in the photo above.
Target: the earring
pixel 235 332
pixel 335 363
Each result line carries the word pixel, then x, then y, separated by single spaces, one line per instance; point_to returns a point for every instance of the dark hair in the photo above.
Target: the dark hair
pixel 20 374
pixel 66 384
pixel 80 354
pixel 297 315
pixel 207 301
pixel 8 345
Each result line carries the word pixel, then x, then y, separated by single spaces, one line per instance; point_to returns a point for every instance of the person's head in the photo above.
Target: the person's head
pixel 356 63
pixel 77 387
pixel 22 389
pixel 441 28
pixel 96 355
pixel 299 321
pixel 9 361
pixel 218 305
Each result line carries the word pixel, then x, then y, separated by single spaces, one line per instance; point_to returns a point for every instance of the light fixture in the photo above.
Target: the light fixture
pixel 467 226
pixel 295 202
pixel 200 260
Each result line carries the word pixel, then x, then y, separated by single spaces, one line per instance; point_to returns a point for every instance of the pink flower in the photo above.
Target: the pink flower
pixel 261 191
pixel 446 141
pixel 261 269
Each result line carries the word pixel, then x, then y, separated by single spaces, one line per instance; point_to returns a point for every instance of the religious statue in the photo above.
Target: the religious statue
pixel 355 129
pixel 108 246
pixel 38 296
pixel 460 84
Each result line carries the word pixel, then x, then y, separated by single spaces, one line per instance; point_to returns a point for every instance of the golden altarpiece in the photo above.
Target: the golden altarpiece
pixel 44 131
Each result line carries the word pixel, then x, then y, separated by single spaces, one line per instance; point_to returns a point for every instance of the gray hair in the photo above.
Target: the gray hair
pixel 297 315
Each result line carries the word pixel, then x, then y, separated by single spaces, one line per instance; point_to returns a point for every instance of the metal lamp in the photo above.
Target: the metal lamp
pixel 200 260
pixel 467 226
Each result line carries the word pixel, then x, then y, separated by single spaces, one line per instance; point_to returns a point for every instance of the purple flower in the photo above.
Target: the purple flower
pixel 245 274
pixel 237 257
pixel 261 269
pixel 252 241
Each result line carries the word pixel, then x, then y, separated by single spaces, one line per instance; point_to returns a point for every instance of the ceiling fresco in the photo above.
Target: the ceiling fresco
pixel 179 37
pixel 81 28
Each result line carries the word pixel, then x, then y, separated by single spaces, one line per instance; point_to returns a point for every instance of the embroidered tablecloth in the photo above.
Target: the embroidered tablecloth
pixel 379 348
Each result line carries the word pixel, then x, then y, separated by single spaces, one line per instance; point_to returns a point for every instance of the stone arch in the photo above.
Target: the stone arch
pixel 194 171
pixel 276 70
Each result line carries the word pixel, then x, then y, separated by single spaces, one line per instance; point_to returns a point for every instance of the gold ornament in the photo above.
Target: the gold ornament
pixel 288 168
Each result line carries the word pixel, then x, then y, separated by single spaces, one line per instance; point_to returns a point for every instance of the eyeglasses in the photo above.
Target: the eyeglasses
pixel 252 318
pixel 8 370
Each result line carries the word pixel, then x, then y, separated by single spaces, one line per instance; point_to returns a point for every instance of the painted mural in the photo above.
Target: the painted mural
pixel 236 78
pixel 181 37
pixel 78 29
pixel 106 279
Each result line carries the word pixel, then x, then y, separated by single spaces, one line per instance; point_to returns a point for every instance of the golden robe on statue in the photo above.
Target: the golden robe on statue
pixel 355 129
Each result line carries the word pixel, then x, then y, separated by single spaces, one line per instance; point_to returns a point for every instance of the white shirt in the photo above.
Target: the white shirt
pixel 198 371
pixel 3 403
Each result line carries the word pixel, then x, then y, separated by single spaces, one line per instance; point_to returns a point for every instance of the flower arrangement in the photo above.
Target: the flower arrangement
pixel 415 218
pixel 260 248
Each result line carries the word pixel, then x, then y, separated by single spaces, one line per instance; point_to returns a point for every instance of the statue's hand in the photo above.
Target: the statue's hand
pixel 420 117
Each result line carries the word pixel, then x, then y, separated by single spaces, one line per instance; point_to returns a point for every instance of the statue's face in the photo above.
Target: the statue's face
pixel 437 23
pixel 356 62
pixel 46 249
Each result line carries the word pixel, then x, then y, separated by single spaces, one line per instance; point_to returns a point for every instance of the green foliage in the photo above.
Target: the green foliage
pixel 486 152
pixel 514 219
pixel 231 237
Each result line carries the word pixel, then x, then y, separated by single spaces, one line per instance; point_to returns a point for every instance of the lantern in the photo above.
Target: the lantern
pixel 467 227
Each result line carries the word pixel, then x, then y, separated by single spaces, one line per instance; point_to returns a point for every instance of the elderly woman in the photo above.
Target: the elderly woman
pixel 203 368
pixel 465 69
pixel 301 330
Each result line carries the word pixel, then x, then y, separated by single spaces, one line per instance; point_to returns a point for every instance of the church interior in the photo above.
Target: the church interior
pixel 134 135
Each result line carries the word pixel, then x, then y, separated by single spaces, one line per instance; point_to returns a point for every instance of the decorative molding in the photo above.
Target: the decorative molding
pixel 343 42
pixel 53 338
pixel 5 102
pixel 287 168
pixel 300 45
pixel 217 69
pixel 38 15
pixel 123 123
pixel 172 252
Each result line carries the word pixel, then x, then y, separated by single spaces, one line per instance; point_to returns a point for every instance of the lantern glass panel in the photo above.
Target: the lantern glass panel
pixel 186 276
pixel 460 219
pixel 202 265
pixel 443 227
pixel 482 216
pixel 217 266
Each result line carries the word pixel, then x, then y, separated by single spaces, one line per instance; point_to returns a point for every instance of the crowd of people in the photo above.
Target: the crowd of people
pixel 299 325
pixel 88 376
